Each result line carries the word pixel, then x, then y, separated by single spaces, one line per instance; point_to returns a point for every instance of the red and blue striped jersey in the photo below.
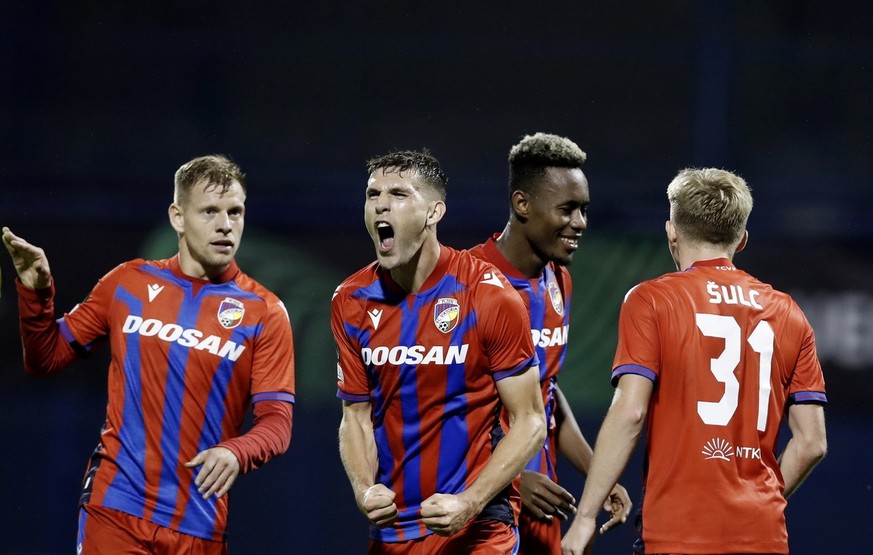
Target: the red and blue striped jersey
pixel 547 299
pixel 428 363
pixel 188 357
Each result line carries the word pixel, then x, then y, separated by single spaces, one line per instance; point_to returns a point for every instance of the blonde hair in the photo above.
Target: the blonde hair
pixel 710 205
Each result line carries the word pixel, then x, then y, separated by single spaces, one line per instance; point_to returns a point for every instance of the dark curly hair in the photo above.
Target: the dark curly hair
pixel 529 159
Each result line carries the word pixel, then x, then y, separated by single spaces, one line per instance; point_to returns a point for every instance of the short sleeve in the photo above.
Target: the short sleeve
pixel 352 384
pixel 505 328
pixel 638 350
pixel 273 357
pixel 807 382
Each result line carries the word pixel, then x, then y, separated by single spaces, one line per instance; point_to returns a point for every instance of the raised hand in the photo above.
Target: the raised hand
pixel 30 261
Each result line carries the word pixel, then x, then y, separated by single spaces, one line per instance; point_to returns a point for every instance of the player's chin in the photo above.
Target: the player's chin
pixel 563 258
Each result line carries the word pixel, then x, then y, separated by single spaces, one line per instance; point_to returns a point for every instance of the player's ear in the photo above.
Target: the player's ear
pixel 177 219
pixel 436 212
pixel 742 244
pixel 520 204
pixel 670 229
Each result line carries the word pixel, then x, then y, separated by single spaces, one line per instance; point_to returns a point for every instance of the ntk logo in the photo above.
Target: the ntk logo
pixel 718 448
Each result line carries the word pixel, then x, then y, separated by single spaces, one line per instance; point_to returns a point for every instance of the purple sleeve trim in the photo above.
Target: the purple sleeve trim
pixel 532 361
pixel 352 397
pixel 274 396
pixel 801 397
pixel 632 369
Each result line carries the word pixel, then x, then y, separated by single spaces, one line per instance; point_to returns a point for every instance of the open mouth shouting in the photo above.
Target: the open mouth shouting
pixel 386 236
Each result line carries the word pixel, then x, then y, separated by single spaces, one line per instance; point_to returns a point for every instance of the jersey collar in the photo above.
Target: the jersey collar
pixel 225 276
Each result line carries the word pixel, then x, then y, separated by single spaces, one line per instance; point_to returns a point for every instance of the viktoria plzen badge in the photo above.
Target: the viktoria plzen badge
pixel 230 312
pixel 446 314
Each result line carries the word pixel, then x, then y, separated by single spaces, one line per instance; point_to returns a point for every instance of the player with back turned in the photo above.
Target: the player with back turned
pixel 431 343
pixel 194 342
pixel 548 197
pixel 710 359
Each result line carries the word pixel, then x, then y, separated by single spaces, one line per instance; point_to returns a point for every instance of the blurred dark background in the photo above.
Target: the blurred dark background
pixel 100 102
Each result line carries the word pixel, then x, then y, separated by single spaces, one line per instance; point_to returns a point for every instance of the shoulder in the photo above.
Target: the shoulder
pixel 479 251
pixel 129 268
pixel 469 267
pixel 272 304
pixel 352 285
pixel 655 287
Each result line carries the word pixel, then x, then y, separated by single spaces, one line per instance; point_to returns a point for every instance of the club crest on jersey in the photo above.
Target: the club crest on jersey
pixel 557 299
pixel 446 314
pixel 230 313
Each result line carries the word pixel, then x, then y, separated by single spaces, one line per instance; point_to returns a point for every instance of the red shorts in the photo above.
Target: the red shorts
pixel 480 537
pixel 538 536
pixel 107 531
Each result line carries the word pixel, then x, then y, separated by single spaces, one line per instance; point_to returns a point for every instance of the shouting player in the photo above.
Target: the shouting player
pixel 194 342
pixel 431 343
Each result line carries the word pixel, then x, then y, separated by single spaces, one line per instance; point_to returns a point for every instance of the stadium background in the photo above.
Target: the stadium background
pixel 100 102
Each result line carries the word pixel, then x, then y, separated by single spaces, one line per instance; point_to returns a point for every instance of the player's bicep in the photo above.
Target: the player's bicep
pixel 520 393
pixel 807 424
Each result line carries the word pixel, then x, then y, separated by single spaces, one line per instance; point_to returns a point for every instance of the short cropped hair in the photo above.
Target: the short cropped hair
pixel 710 205
pixel 529 159
pixel 422 162
pixel 215 170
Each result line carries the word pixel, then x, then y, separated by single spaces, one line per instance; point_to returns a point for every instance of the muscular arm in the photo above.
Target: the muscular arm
pixel 357 447
pixel 807 446
pixel 520 394
pixel 616 441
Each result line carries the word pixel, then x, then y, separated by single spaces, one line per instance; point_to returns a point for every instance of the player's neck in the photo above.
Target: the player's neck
pixel 412 275
pixel 517 251
pixel 689 254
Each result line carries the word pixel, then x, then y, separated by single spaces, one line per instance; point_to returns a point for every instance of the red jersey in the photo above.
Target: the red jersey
pixel 188 358
pixel 428 363
pixel 547 300
pixel 728 354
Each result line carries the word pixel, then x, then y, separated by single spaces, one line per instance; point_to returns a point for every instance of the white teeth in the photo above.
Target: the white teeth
pixel 382 224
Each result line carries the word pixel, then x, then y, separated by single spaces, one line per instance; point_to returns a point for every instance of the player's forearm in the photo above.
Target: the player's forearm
pixel 616 441
pixel 808 445
pixel 524 438
pixel 45 350
pixel 357 447
pixel 570 441
pixel 798 460
pixel 269 436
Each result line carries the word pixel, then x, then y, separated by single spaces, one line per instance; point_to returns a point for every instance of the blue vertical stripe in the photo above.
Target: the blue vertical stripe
pixel 455 438
pixel 125 493
pixel 203 511
pixel 174 395
pixel 408 396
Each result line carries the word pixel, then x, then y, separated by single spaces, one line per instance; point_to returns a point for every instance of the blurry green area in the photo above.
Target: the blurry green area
pixel 304 283
pixel 603 270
